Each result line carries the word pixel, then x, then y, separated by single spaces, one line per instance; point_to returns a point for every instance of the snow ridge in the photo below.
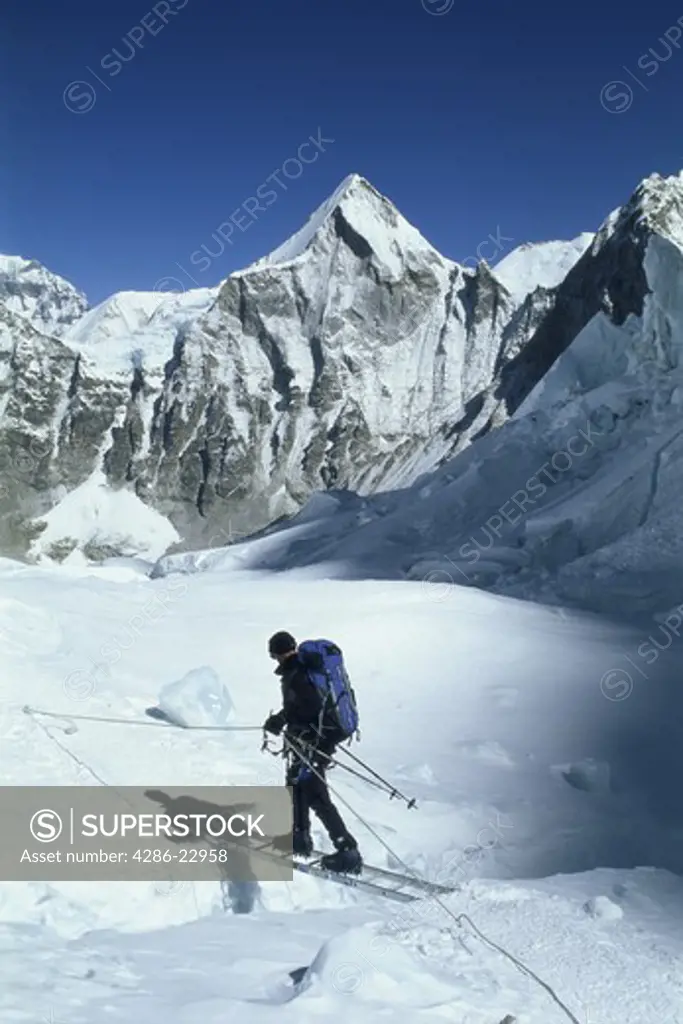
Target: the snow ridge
pixel 540 264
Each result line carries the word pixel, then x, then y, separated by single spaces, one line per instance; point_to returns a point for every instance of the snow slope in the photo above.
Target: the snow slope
pixel 496 715
pixel 94 516
pixel 540 264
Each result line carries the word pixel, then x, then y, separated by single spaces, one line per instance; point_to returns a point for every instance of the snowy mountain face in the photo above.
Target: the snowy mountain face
pixel 576 498
pixel 516 438
pixel 354 356
pixel 46 301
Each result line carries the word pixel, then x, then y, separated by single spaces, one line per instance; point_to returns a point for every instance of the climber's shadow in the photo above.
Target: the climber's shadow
pixel 236 864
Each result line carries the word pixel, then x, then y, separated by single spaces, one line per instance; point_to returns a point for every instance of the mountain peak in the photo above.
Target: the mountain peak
pixel 372 218
pixel 350 182
pixel 656 205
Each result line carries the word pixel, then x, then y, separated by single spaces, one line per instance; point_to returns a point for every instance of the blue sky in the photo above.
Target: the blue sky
pixel 484 119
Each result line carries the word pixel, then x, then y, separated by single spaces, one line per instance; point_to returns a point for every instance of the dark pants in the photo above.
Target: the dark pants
pixel 310 793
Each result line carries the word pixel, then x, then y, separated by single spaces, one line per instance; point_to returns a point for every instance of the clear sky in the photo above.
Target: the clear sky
pixel 132 130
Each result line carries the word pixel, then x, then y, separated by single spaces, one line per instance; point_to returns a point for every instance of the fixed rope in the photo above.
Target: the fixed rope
pixel 77 760
pixel 457 918
pixel 134 721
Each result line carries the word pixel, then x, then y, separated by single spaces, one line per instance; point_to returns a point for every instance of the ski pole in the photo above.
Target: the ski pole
pixel 383 786
pixel 301 750
pixel 394 792
pixel 352 771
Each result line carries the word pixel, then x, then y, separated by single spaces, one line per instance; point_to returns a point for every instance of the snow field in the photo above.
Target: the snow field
pixel 476 705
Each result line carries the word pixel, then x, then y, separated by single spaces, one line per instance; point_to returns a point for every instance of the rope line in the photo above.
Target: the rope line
pixel 134 721
pixel 69 753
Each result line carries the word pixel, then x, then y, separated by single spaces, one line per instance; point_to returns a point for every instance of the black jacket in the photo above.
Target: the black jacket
pixel 302 704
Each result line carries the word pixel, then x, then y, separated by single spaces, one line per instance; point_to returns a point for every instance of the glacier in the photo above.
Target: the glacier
pixel 552 808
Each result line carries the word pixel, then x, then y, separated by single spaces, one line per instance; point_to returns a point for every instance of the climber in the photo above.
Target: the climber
pixel 310 674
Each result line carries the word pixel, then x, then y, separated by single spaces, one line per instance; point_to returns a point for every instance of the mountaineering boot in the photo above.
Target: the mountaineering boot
pixel 302 844
pixel 346 861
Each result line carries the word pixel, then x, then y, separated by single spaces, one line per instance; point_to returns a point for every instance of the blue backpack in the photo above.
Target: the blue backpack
pixel 324 662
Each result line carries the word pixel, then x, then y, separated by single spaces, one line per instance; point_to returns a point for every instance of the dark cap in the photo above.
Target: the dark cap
pixel 281 643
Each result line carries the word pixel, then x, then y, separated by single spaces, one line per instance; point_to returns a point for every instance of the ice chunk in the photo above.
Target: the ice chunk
pixel 199 698
pixel 603 907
